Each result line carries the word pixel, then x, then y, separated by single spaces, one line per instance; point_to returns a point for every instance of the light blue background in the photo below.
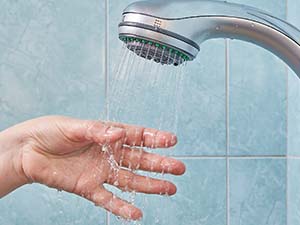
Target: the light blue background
pixel 53 58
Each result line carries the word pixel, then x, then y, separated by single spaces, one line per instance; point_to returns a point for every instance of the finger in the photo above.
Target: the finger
pixel 107 200
pixel 128 181
pixel 146 137
pixel 101 133
pixel 139 159
pixel 86 131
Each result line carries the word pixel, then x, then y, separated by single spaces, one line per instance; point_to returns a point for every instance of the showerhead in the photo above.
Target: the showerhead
pixel 170 31
pixel 152 37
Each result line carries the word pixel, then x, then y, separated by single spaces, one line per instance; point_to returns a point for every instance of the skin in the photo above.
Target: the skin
pixel 79 156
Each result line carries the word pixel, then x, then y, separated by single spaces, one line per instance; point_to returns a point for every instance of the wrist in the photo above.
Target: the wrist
pixel 12 175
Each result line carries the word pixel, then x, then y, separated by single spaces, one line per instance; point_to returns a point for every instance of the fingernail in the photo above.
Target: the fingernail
pixel 126 212
pixel 173 140
pixel 131 213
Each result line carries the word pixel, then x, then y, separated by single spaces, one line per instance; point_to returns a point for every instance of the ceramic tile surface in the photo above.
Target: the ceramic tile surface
pixel 294 90
pixel 293 192
pixel 257 93
pixel 257 191
pixel 51 62
pixel 200 198
pixel 51 59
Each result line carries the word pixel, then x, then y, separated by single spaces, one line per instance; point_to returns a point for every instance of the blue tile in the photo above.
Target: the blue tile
pixel 257 102
pixel 150 96
pixel 257 95
pixel 293 192
pixel 257 191
pixel 37 204
pixel 200 199
pixel 293 12
pixel 276 8
pixel 202 125
pixel 115 9
pixel 293 91
pixel 293 114
pixel 51 60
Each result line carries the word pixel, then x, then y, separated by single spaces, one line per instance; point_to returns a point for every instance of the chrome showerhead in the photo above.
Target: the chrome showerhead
pixel 170 31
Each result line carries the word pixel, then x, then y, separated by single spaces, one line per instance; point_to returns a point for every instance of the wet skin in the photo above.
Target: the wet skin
pixel 79 156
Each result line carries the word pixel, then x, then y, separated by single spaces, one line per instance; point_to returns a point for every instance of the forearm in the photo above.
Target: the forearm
pixel 11 174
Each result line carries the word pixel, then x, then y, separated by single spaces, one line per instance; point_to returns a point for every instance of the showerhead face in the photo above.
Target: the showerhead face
pixel 154 50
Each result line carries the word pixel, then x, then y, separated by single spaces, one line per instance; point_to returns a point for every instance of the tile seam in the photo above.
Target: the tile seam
pixel 287 132
pixel 227 130
pixel 106 58
pixel 235 157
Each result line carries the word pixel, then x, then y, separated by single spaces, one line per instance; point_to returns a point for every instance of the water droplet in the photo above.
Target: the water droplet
pixel 119 217
pixel 137 166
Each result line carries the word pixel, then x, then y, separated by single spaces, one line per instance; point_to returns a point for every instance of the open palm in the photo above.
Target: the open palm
pixel 80 156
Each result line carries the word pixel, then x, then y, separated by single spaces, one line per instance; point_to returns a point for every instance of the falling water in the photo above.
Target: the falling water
pixel 146 93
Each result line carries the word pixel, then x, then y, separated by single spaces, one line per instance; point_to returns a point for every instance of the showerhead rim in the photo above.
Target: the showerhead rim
pixel 126 38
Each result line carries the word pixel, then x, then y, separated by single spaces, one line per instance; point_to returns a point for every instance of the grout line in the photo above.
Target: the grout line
pixel 107 218
pixel 287 191
pixel 287 97
pixel 227 131
pixel 227 95
pixel 286 9
pixel 287 132
pixel 106 66
pixel 234 157
pixel 287 143
pixel 263 157
pixel 198 157
pixel 106 60
pixel 293 157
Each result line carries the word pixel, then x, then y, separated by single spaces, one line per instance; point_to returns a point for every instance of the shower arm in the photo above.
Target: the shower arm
pixel 215 20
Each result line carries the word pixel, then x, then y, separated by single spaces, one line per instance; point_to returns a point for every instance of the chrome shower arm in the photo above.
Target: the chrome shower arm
pixel 277 42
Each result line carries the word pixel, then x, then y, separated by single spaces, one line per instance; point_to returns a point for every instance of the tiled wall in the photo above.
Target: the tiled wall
pixel 293 194
pixel 238 116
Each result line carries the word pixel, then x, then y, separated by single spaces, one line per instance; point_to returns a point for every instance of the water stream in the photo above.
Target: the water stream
pixel 145 93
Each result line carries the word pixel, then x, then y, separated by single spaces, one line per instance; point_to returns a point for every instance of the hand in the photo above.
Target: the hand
pixel 79 156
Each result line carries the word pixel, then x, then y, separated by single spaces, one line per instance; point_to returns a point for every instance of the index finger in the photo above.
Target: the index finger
pixel 146 137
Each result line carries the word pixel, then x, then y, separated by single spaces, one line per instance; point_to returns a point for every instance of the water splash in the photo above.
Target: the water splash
pixel 147 93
